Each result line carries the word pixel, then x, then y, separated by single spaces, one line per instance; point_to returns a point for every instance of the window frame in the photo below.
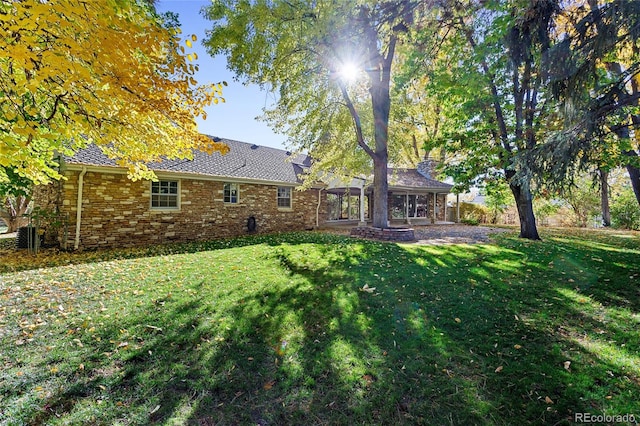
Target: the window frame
pixel 229 200
pixel 289 191
pixel 167 195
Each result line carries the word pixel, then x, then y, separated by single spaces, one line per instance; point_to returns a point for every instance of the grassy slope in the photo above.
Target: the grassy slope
pixel 278 330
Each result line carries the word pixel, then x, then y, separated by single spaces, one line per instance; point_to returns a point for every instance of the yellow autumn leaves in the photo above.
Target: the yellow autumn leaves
pixel 103 71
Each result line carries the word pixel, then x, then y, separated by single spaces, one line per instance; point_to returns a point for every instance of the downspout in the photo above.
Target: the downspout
pixel 76 244
pixel 318 208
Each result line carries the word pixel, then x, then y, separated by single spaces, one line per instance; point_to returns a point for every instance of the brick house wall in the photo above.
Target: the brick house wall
pixel 116 212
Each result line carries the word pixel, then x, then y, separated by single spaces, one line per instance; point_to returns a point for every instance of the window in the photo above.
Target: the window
pixel 284 197
pixel 345 206
pixel 164 194
pixel 231 192
pixel 397 205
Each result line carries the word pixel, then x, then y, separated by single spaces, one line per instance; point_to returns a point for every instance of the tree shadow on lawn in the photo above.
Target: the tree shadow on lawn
pixel 17 260
pixel 440 335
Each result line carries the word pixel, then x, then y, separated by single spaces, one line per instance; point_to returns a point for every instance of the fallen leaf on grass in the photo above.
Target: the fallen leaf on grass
pixel 269 384
pixel 499 369
pixel 367 288
pixel 548 400
pixel 458 320
pixel 368 379
pixel 517 346
pixel 567 365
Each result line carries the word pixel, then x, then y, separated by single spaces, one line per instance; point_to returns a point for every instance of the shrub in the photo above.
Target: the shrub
pixel 474 212
pixel 625 211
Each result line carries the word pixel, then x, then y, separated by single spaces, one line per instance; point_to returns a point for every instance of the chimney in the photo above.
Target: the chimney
pixel 425 167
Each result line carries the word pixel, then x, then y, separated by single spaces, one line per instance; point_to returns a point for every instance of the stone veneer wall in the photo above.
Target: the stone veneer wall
pixel 441 202
pixel 116 212
pixel 384 234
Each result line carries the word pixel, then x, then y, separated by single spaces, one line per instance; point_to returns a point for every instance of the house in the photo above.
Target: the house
pixel 250 189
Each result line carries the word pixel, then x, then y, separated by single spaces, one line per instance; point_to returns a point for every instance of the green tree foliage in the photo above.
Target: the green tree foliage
pixel 593 69
pixel 625 212
pixel 545 207
pixel 584 199
pixel 497 198
pixel 300 50
pixel 492 86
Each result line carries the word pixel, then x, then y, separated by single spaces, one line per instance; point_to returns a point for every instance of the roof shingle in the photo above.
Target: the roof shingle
pixel 412 178
pixel 243 161
pixel 253 162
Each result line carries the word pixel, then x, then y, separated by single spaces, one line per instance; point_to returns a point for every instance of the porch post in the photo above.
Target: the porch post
pixel 406 208
pixel 445 209
pixel 458 208
pixel 362 221
pixel 434 218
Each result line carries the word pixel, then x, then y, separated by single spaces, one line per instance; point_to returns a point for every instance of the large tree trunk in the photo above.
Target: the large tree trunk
pixel 524 204
pixel 380 194
pixel 381 104
pixel 381 107
pixel 604 197
pixel 624 132
pixel 634 175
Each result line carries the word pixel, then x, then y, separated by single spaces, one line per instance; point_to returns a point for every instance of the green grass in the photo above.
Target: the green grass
pixel 282 330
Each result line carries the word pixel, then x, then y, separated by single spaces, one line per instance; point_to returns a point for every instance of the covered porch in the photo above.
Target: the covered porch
pixel 414 198
pixel 353 206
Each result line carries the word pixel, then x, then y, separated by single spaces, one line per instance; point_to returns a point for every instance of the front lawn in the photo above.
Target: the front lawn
pixel 310 328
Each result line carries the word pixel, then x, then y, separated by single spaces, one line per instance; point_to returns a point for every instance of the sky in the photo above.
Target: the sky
pixel 236 118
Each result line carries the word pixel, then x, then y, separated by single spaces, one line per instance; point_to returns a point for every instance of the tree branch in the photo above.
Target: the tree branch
pixel 356 120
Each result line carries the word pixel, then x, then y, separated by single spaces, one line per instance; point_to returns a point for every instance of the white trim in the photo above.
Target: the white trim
pixel 163 174
pixel 290 206
pixel 178 197
pixel 231 203
pixel 419 189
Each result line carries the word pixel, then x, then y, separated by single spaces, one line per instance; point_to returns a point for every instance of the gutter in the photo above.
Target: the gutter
pixel 169 174
pixel 76 244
